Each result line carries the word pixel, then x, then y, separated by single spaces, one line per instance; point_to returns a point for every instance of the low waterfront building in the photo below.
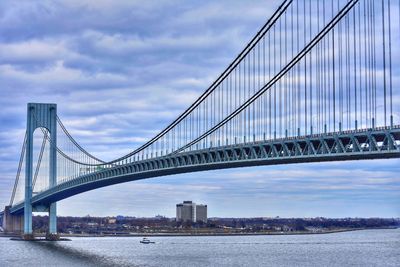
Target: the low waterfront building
pixel 112 220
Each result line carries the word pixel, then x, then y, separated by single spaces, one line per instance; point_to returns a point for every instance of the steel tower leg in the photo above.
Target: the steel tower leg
pixel 53 219
pixel 53 171
pixel 40 115
pixel 28 175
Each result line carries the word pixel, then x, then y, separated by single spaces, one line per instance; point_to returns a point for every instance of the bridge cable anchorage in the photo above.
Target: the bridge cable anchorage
pixel 350 4
pixel 21 159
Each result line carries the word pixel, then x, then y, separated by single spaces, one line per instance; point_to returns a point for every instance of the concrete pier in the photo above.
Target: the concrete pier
pixel 12 224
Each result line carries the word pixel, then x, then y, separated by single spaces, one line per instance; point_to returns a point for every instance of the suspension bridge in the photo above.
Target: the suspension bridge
pixel 316 83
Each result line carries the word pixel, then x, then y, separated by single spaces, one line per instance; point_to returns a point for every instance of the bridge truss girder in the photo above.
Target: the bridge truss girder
pixel 376 143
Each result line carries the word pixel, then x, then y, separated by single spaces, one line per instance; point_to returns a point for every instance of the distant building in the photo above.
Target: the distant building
pixel 92 224
pixel 201 213
pixel 111 220
pixel 188 211
pixel 120 218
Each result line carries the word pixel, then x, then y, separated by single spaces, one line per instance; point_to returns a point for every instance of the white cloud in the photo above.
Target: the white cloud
pixel 126 76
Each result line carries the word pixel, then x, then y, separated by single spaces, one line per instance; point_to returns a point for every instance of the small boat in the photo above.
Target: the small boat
pixel 146 241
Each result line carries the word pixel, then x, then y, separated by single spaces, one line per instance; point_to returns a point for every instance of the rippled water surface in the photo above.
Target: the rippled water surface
pixel 359 248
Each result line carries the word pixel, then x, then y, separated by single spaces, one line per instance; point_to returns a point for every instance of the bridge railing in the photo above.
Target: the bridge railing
pixel 315 68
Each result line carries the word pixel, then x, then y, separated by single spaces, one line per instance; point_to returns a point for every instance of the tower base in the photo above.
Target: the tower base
pixel 52 237
pixel 12 224
pixel 28 237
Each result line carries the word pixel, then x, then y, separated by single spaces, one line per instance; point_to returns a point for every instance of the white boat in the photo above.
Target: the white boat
pixel 146 241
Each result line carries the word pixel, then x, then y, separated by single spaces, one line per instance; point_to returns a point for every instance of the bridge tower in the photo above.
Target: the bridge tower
pixel 45 116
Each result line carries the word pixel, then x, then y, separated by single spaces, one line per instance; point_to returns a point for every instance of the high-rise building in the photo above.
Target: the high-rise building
pixel 201 213
pixel 188 211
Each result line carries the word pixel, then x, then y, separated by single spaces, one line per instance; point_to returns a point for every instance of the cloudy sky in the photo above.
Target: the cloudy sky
pixel 120 71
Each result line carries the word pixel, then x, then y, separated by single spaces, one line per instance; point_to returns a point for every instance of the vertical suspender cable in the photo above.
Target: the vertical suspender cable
pixel 334 76
pixel 311 67
pixel 374 59
pixel 360 63
pixel 384 62
pixel 390 65
pixel 355 67
pixel 305 69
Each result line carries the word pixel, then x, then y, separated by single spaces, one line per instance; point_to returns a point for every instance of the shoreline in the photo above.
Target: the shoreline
pixel 208 234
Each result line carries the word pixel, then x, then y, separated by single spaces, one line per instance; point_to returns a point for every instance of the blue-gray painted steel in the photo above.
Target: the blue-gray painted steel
pixel 375 143
pixel 40 116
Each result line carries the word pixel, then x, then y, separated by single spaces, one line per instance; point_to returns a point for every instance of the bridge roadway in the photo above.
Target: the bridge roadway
pixel 377 143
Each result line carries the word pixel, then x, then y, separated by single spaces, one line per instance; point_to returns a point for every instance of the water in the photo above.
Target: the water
pixel 359 248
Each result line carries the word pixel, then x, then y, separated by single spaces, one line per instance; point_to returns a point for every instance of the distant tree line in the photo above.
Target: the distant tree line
pixel 121 224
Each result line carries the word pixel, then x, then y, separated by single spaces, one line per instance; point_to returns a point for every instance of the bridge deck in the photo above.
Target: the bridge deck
pixel 375 143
